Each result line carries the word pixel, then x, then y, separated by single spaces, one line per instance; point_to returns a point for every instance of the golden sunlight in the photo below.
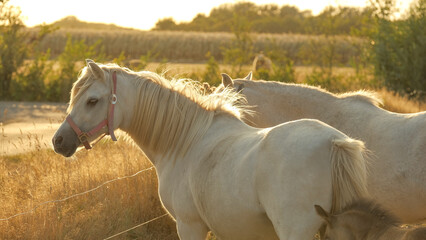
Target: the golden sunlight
pixel 143 15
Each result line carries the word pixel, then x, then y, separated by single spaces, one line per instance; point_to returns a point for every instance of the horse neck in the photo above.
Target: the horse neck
pixel 292 101
pixel 164 122
pixel 289 102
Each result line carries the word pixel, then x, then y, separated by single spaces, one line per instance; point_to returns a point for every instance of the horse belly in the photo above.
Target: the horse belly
pixel 234 213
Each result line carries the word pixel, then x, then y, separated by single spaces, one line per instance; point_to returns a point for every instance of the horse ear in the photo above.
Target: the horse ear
pixel 249 76
pixel 95 69
pixel 227 80
pixel 322 213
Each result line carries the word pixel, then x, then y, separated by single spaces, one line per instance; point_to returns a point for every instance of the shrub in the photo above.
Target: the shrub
pixel 212 73
pixel 399 48
pixel 75 51
pixel 13 47
pixel 29 84
pixel 240 51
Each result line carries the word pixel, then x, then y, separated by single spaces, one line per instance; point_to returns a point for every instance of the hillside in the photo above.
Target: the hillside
pixel 72 22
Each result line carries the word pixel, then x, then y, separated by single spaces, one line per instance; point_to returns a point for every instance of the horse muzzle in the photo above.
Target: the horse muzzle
pixel 65 143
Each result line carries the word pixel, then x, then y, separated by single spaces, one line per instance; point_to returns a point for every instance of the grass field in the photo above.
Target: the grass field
pixel 36 177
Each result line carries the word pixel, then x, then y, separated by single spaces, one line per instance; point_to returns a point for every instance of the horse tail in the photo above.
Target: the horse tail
pixel 348 172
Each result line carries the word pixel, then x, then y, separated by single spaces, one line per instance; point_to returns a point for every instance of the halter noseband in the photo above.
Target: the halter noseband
pixel 84 136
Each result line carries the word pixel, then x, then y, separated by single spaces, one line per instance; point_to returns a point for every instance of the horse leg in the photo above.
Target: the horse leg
pixel 191 231
pixel 290 207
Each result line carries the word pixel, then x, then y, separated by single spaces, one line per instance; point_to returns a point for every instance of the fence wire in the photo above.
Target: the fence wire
pixel 76 195
pixel 139 225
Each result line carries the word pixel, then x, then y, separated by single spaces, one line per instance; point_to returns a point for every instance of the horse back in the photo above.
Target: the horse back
pixel 304 133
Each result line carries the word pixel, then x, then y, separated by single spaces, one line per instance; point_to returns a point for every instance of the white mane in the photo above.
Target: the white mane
pixel 177 106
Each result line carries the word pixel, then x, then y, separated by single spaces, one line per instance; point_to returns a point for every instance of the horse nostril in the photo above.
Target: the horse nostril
pixel 58 140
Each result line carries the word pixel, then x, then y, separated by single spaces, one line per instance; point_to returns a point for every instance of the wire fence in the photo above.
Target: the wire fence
pixel 75 195
pixel 140 225
pixel 88 191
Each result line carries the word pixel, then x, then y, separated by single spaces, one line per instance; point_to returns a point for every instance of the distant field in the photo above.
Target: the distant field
pixel 193 46
pixel 186 69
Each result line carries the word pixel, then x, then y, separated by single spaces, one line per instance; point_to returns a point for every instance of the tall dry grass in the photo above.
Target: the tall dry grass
pixel 192 46
pixel 400 104
pixel 30 179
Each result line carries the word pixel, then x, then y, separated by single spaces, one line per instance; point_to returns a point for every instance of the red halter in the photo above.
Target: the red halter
pixel 84 136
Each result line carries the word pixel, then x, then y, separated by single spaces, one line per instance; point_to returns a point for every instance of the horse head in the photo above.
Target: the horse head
pixel 91 110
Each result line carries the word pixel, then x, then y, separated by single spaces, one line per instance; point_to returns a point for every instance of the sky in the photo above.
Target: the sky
pixel 142 14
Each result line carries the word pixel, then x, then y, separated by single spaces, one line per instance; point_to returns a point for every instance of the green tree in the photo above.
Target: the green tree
pixel 16 45
pixel 30 81
pixel 13 45
pixel 241 50
pixel 269 18
pixel 74 52
pixel 212 73
pixel 166 24
pixel 399 48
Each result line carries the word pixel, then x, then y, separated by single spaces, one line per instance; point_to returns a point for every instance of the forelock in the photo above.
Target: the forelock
pixel 84 81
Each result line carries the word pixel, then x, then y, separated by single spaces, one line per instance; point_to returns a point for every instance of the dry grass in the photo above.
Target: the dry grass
pixel 397 103
pixel 33 178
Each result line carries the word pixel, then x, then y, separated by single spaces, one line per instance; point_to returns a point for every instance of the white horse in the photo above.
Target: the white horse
pixel 262 62
pixel 397 178
pixel 215 172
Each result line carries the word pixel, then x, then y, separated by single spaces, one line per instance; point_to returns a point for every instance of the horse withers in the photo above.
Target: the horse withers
pixel 366 220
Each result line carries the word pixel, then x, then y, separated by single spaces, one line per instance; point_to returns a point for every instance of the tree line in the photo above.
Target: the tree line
pixel 272 18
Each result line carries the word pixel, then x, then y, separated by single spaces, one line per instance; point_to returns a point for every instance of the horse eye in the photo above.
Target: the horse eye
pixel 92 101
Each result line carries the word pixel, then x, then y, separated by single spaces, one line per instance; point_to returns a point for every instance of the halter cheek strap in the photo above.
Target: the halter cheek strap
pixel 113 101
pixel 109 122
